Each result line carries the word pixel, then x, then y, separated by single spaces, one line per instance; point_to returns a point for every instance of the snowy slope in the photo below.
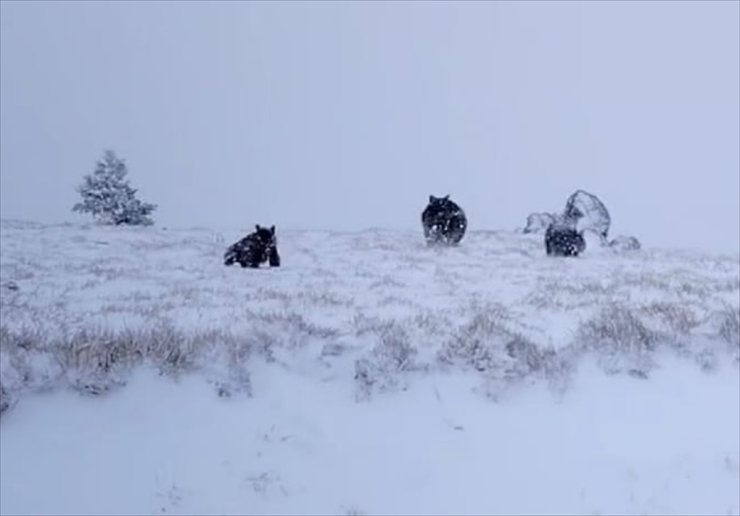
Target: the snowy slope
pixel 369 374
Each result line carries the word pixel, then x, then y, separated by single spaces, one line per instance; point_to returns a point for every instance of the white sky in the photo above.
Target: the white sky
pixel 347 115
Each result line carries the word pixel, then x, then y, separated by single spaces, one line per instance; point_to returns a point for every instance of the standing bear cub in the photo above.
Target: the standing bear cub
pixel 254 249
pixel 444 222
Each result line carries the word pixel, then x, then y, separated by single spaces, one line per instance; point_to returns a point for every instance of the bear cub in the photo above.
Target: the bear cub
pixel 254 249
pixel 444 222
pixel 562 240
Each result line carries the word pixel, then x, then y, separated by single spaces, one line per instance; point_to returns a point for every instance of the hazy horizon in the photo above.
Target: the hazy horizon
pixel 348 115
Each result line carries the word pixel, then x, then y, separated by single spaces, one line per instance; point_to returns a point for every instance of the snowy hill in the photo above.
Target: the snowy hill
pixel 367 375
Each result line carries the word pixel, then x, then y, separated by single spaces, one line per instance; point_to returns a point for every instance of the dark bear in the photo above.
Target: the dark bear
pixel 254 249
pixel 444 222
pixel 563 240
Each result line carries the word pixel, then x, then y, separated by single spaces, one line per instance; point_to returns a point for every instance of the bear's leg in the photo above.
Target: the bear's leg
pixel 274 258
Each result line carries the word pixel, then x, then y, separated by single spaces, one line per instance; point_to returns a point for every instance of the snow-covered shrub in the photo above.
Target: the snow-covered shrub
pixel 729 325
pixel 726 326
pixel 504 357
pixel 237 380
pixel 621 341
pixel 482 343
pixel 26 360
pixel 625 243
pixel 380 369
pixel 486 345
pixel 538 222
pixel 674 325
pixel 296 324
pixel 95 360
pixel 108 197
pixel 590 212
pixel 673 319
pixel 4 400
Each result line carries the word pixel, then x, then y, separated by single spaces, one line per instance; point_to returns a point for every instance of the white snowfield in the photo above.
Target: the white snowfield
pixel 367 375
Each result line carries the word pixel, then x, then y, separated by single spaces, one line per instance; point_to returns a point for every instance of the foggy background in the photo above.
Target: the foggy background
pixel 348 115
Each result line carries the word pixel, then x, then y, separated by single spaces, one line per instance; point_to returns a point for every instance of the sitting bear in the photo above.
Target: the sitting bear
pixel 254 249
pixel 444 222
pixel 563 239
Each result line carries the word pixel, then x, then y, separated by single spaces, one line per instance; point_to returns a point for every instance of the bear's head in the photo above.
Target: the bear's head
pixel 440 208
pixel 266 236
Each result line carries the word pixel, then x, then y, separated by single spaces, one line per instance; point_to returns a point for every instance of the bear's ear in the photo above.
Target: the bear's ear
pixel 446 197
pixel 432 198
pixel 257 226
pixel 272 229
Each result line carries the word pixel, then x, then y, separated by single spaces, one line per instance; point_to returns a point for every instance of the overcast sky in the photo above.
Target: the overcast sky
pixel 347 115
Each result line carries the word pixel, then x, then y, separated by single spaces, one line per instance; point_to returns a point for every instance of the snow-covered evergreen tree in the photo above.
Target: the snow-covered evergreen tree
pixel 107 195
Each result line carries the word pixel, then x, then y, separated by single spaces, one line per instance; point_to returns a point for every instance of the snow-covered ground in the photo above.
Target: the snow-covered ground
pixel 368 375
